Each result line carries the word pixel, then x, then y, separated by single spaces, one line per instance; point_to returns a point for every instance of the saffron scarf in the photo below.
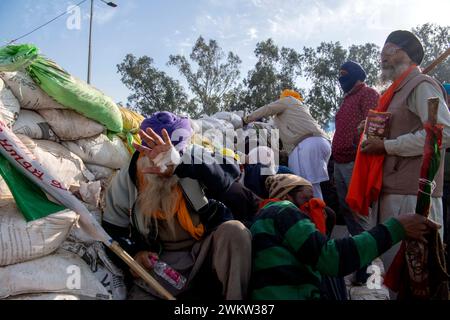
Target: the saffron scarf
pixel 367 177
pixel 184 217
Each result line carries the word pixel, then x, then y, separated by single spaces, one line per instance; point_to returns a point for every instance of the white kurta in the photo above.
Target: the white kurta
pixel 309 160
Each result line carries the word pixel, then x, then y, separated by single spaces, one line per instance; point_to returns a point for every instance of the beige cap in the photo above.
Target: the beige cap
pixel 281 184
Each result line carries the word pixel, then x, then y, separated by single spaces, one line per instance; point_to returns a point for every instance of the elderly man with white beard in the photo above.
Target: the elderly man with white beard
pixel 403 148
pixel 151 211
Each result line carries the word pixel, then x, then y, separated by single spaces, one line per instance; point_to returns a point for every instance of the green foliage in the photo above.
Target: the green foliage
pixel 275 70
pixel 368 56
pixel 436 40
pixel 322 67
pixel 152 90
pixel 215 76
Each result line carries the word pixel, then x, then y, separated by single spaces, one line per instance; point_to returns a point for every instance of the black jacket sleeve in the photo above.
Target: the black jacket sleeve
pixel 200 164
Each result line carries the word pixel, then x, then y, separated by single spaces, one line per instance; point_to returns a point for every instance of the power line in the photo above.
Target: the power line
pixel 41 26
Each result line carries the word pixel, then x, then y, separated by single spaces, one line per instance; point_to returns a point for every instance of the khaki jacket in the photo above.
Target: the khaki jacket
pixel 292 119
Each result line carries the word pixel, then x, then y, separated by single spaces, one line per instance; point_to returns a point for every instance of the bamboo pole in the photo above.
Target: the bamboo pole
pixel 18 155
pixel 433 105
pixel 438 60
pixel 115 247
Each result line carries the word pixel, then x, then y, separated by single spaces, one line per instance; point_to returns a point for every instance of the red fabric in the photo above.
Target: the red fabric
pixel 265 202
pixel 352 111
pixel 433 137
pixel 367 176
pixel 393 277
pixel 397 278
pixel 315 209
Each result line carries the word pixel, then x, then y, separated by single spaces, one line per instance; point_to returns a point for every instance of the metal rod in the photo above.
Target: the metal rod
pixel 90 43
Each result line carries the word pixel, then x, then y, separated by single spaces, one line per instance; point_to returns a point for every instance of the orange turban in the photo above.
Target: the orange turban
pixel 291 93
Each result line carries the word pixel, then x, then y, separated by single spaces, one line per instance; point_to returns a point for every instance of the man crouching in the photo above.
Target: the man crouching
pixel 156 207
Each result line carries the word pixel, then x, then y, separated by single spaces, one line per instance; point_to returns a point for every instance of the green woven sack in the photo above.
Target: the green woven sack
pixel 17 57
pixel 29 198
pixel 75 94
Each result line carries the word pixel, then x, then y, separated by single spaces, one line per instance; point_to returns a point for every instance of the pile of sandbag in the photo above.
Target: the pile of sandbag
pixel 29 264
pixel 225 132
pixel 60 272
pixel 21 241
pixel 9 106
pixel 64 141
pixel 234 118
pixel 215 130
pixel 81 137
pixel 67 124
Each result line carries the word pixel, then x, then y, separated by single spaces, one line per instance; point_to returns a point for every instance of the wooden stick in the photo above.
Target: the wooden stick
pixel 438 60
pixel 433 105
pixel 115 247
pixel 48 183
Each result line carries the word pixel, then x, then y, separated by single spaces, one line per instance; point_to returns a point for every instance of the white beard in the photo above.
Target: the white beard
pixel 156 194
pixel 393 72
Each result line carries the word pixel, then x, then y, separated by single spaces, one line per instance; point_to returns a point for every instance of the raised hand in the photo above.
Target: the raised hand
pixel 155 146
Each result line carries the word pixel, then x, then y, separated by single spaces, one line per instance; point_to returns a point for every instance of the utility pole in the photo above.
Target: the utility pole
pixel 90 43
pixel 111 4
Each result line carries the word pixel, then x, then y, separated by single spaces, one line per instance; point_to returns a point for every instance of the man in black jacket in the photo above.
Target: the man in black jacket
pixel 149 212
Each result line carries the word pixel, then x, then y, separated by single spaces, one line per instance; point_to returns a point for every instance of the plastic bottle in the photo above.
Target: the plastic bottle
pixel 167 273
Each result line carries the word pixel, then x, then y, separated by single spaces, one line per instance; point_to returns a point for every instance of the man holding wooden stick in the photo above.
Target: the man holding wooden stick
pixel 401 152
pixel 153 212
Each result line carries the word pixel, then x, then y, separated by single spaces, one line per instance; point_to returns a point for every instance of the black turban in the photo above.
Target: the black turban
pixel 409 43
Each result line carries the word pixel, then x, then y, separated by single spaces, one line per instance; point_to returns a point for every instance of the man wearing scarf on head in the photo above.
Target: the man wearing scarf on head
pixel 387 171
pixel 358 100
pixel 291 252
pixel 150 212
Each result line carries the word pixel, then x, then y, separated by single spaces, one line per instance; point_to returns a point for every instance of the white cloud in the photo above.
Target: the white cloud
pixel 231 4
pixel 257 3
pixel 186 42
pixel 185 45
pixel 218 27
pixel 238 25
pixel 252 33
pixel 309 22
pixel 104 16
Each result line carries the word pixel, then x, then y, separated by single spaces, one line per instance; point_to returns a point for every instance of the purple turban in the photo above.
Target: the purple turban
pixel 178 128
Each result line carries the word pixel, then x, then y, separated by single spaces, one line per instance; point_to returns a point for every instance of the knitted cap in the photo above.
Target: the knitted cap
pixel 280 185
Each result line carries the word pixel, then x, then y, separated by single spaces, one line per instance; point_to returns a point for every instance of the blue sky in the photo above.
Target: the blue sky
pixel 159 28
